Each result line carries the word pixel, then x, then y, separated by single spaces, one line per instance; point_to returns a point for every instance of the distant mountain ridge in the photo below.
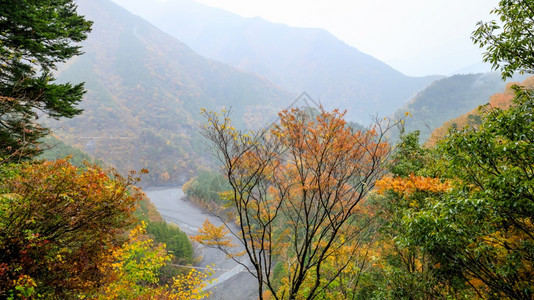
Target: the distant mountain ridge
pixel 297 59
pixel 501 100
pixel 145 92
pixel 449 98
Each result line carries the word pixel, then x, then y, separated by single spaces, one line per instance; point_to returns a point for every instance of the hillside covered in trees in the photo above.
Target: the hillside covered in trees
pixel 297 59
pixel 70 232
pixel 145 90
pixel 448 98
pixel 501 100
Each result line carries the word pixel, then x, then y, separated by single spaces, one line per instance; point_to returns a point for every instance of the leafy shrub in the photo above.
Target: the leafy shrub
pixel 58 225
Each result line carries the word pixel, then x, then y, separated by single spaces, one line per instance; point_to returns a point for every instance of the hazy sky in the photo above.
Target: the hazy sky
pixel 417 37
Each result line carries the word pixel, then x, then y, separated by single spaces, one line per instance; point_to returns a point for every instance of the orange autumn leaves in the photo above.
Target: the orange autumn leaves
pixel 63 236
pixel 62 219
pixel 411 184
pixel 297 191
pixel 326 158
pixel 211 235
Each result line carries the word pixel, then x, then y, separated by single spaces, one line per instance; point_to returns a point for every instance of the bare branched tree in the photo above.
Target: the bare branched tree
pixel 298 191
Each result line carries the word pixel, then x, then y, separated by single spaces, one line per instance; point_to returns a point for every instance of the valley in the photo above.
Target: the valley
pixel 231 280
pixel 187 152
pixel 146 84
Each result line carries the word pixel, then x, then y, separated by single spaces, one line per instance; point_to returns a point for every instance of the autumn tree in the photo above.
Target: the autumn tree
pixel 133 273
pixel 58 225
pixel 404 270
pixel 34 37
pixel 458 217
pixel 297 190
pixel 481 229
pixel 510 40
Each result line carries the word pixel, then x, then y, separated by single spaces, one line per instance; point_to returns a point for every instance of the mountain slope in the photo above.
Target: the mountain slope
pixel 297 59
pixel 501 100
pixel 448 98
pixel 145 91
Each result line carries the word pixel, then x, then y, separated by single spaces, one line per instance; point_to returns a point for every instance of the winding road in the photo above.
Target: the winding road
pixel 232 281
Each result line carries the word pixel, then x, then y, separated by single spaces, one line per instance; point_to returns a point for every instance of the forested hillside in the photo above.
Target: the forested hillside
pixel 70 229
pixel 448 98
pixel 145 90
pixel 298 59
pixel 501 100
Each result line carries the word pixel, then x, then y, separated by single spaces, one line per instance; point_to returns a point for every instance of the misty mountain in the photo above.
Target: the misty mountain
pixel 145 92
pixel 501 100
pixel 449 98
pixel 297 59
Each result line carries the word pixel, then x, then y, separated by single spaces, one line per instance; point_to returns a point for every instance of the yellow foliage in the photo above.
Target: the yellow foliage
pixel 213 236
pixel 191 285
pixel 133 274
